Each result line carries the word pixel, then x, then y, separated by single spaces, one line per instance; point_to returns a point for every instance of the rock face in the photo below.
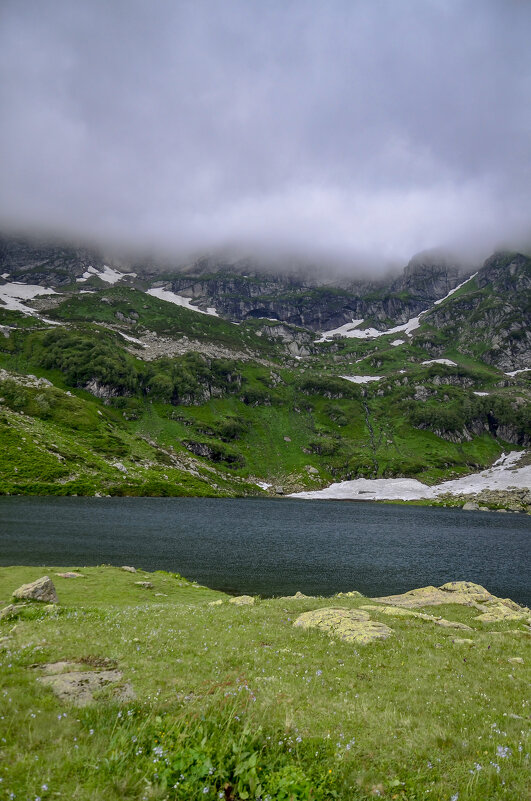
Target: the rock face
pixel 350 625
pixel 41 590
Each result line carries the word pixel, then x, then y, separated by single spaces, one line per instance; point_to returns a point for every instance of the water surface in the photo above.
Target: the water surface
pixel 274 547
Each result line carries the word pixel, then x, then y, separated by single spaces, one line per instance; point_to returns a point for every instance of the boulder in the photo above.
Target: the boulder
pixel 350 625
pixel 41 590
pixel 242 600
pixel 470 506
pixel 128 568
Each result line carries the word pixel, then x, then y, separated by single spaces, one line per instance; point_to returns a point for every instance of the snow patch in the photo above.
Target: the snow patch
pixel 108 274
pixel 514 372
pixel 481 394
pixel 131 339
pixel 179 300
pixel 502 475
pixel 5 276
pixel 451 292
pixel 263 485
pixel 361 379
pixel 396 342
pixel 448 362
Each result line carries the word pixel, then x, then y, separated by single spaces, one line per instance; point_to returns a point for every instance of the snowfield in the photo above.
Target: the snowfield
pixel 12 295
pixel 501 476
pixel 180 300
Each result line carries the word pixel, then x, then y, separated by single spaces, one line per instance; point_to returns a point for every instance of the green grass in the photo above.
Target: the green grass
pixel 237 697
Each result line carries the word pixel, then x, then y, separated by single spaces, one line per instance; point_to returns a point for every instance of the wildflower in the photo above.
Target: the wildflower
pixel 206 790
pixel 318 672
pixel 503 751
pixel 454 797
pixel 44 787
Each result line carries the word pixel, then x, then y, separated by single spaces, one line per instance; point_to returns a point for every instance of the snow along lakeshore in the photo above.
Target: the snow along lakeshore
pixel 501 476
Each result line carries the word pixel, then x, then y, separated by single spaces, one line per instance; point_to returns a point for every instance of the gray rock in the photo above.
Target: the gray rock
pixel 41 590
pixel 146 585
pixel 470 506
pixel 77 686
pixel 128 568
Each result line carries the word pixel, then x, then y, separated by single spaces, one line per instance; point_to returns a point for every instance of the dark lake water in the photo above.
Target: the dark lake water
pixel 274 547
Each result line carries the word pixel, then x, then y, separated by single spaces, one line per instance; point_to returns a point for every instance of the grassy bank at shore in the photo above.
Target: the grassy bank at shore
pixel 199 697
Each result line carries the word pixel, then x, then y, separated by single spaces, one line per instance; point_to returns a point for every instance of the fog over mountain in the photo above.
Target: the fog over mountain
pixel 352 130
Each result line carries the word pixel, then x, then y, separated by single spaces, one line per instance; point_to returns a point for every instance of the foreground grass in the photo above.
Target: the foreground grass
pixel 236 703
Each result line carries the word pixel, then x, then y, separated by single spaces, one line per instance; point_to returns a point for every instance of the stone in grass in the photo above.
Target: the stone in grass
pixel 128 568
pixel 242 600
pixel 399 611
pixel 516 660
pixel 146 585
pixel 70 574
pixel 77 686
pixel 350 625
pixel 41 590
pixel 11 611
pixel 216 603
pixel 470 506
pixel 462 641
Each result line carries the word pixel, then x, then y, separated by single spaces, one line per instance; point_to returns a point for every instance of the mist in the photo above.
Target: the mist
pixel 354 132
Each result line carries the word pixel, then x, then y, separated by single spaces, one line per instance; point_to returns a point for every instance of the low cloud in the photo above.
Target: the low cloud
pixel 354 131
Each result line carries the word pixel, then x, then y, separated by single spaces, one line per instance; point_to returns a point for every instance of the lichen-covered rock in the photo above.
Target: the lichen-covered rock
pixel 299 596
pixel 242 600
pixel 497 612
pixel 41 590
pixel 516 660
pixel 216 603
pixel 465 593
pixel 350 625
pixel 462 641
pixel 467 589
pixel 350 594
pixel 128 568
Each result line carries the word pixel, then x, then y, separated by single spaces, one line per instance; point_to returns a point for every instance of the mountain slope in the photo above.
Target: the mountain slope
pixel 191 403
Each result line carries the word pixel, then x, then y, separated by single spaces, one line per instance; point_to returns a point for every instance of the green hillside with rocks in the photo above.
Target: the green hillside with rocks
pixel 118 684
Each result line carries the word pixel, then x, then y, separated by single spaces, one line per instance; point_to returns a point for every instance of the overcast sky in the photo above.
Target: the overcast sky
pixel 339 127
